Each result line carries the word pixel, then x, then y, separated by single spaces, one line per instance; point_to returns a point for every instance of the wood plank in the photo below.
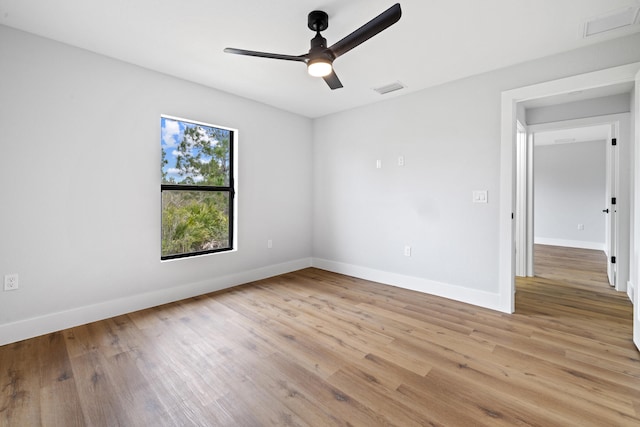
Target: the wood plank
pixel 20 383
pixel 58 396
pixel 313 348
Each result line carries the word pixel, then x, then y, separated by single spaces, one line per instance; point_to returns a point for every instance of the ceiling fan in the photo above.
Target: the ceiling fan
pixel 320 58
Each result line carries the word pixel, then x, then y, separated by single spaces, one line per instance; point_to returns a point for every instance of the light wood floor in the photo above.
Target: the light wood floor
pixel 314 348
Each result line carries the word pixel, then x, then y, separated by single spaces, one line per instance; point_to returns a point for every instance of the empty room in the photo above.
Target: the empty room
pixel 319 213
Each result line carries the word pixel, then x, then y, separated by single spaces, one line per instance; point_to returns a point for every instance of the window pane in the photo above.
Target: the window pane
pixel 194 154
pixel 194 221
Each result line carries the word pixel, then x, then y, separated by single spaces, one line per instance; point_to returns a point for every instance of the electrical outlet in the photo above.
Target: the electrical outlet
pixel 269 244
pixel 10 282
pixel 407 251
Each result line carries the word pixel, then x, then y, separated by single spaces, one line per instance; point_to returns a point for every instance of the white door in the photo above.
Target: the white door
pixel 611 207
pixel 636 139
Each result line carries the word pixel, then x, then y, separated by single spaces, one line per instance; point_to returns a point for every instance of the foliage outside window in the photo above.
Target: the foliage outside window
pixel 197 188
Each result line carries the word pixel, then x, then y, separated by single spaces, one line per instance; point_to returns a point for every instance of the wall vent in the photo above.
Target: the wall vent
pixel 611 21
pixel 389 88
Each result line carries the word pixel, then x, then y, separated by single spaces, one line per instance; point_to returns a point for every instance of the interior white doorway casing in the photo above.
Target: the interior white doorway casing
pixel 598 79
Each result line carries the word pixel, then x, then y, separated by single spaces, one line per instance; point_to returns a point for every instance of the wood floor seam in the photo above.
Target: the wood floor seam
pixel 315 348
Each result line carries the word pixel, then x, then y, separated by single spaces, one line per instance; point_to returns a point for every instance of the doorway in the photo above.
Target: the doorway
pixel 579 179
pixel 510 99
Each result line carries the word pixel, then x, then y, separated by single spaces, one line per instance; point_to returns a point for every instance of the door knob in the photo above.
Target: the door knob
pixel 605 210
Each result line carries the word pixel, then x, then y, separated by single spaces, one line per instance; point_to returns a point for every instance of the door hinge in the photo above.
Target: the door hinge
pixel 613 200
pixel 613 260
pixel 614 141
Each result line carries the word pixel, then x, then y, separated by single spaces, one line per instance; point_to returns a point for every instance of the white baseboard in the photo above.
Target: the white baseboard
pixel 569 243
pixel 33 327
pixel 458 293
pixel 631 290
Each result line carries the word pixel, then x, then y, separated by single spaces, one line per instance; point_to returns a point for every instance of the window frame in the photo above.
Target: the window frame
pixel 230 189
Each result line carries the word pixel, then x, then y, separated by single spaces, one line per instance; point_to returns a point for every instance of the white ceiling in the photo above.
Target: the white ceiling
pixel 434 42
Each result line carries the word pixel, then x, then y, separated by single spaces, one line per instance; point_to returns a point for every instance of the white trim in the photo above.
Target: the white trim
pixel 458 293
pixel 530 204
pixel 525 201
pixel 606 119
pixel 598 246
pixel 602 78
pixel 35 326
pixel 522 173
pixel 506 253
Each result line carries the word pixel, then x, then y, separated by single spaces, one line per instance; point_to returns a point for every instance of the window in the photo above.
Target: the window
pixel 197 188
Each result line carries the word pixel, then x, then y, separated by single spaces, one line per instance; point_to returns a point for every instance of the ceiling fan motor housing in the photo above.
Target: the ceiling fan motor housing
pixel 319 49
pixel 318 21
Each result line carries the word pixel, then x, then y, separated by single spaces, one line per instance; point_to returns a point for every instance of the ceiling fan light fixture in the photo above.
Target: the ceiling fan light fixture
pixel 320 58
pixel 319 67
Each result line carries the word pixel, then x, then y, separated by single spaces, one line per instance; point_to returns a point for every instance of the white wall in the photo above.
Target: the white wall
pixel 80 187
pixel 614 104
pixel 570 190
pixel 365 216
pixel 450 138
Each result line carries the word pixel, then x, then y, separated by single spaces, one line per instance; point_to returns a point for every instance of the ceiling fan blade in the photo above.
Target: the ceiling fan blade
pixel 333 81
pixel 300 58
pixel 368 30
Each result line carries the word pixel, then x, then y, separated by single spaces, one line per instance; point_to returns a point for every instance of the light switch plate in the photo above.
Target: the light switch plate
pixel 480 196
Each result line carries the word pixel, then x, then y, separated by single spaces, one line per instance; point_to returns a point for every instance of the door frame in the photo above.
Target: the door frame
pixel 510 98
pixel 612 223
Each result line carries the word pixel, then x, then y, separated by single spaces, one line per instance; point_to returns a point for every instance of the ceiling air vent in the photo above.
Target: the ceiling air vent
pixel 389 88
pixel 611 21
